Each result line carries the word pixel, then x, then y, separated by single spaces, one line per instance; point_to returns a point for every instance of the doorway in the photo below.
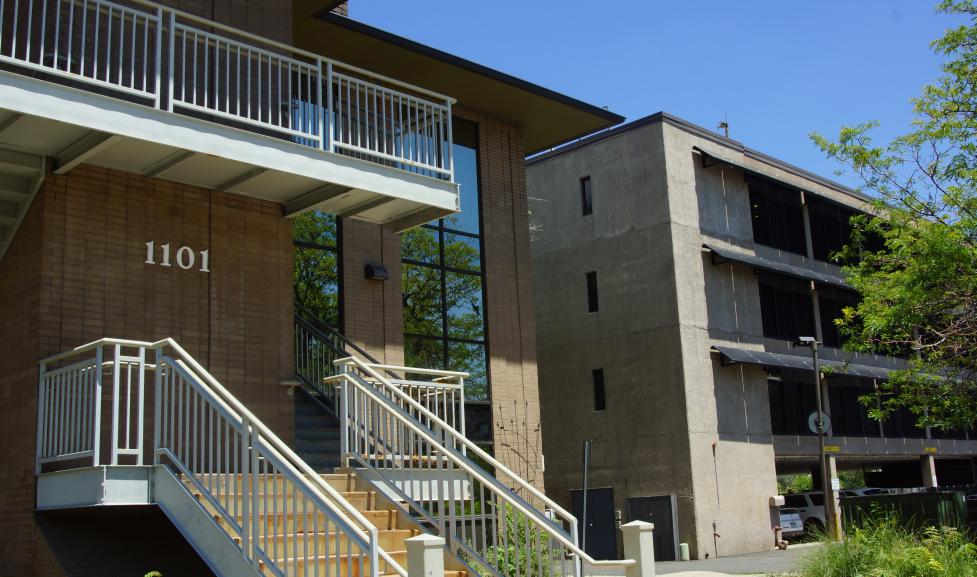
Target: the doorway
pixel 600 535
pixel 661 511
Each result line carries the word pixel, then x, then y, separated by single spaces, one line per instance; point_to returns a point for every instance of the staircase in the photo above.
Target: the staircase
pixel 128 422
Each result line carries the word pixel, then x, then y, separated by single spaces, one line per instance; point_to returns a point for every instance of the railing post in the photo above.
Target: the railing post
pixel 425 556
pixel 116 376
pixel 255 480
pixel 158 403
pixel 41 420
pixel 344 419
pixel 450 150
pixel 327 117
pixel 462 416
pixel 245 486
pixel 170 72
pixel 141 414
pixel 97 417
pixel 639 545
pixel 159 57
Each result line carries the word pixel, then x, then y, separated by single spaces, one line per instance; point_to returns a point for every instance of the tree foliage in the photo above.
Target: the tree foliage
pixel 915 260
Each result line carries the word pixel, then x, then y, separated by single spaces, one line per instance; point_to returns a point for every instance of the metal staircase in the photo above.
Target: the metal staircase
pixel 249 504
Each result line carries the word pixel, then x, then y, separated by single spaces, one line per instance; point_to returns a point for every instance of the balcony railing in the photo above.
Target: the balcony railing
pixel 143 52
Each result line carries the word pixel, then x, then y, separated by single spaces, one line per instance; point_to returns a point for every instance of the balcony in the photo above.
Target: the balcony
pixel 158 92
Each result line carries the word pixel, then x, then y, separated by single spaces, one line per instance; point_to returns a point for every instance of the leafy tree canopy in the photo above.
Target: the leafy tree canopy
pixel 915 260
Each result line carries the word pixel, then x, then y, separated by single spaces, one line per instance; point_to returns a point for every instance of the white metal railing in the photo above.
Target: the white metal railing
pixel 284 517
pixel 510 532
pixel 317 347
pixel 179 62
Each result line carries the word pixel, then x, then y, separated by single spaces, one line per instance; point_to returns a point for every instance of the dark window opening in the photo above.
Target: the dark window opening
pixel 830 227
pixel 586 196
pixel 786 308
pixel 831 303
pixel 591 292
pixel 777 218
pixel 600 400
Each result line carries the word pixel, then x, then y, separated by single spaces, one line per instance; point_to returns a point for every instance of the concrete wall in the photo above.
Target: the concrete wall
pixel 641 445
pixel 731 454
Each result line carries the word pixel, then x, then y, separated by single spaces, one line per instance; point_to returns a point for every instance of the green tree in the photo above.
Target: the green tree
pixel 915 260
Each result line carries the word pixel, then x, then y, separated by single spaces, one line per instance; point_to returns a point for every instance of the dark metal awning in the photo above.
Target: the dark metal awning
pixel 733 356
pixel 721 254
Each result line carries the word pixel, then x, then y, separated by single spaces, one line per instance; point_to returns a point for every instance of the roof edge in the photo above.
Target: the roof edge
pixel 408 44
pixel 705 133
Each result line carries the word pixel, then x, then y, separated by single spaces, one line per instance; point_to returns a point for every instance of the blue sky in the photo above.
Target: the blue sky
pixel 776 70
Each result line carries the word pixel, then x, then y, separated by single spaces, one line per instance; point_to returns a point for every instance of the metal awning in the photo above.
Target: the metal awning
pixel 733 356
pixel 721 254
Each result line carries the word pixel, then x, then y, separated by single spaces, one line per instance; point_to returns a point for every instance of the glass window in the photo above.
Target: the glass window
pixel 592 303
pixel 443 287
pixel 831 303
pixel 600 400
pixel 316 281
pixel 586 196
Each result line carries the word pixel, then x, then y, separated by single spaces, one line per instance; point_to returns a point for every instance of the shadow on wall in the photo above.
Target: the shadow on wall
pixel 118 542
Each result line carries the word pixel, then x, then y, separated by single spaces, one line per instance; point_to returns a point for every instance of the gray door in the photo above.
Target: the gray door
pixel 601 532
pixel 660 511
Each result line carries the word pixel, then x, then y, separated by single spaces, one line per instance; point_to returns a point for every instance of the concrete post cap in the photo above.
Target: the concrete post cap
pixel 641 526
pixel 426 540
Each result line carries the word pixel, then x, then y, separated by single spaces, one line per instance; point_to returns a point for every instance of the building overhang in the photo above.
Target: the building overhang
pixel 547 117
pixel 722 254
pixel 736 356
pixel 74 126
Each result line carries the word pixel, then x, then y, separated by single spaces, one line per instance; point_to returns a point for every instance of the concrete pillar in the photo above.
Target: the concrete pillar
pixel 425 556
pixel 832 502
pixel 928 466
pixel 639 545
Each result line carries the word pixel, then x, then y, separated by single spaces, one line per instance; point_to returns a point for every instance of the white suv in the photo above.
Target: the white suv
pixel 810 506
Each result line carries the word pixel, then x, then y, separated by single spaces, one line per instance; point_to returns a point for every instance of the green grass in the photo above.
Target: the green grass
pixel 883 548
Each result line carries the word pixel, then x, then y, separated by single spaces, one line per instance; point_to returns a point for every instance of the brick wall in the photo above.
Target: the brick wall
pixel 76 272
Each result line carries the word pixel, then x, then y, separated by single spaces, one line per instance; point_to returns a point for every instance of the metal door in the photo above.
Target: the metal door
pixel 601 532
pixel 659 510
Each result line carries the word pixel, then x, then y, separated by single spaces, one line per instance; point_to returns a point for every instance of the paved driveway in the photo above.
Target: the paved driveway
pixel 763 563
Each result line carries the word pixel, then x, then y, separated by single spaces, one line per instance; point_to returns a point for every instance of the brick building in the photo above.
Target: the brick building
pixel 160 180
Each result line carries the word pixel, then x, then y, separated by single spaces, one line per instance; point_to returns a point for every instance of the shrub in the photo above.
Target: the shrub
pixel 881 547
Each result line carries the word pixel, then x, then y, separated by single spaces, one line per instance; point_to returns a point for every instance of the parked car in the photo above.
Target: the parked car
pixel 791 524
pixel 863 492
pixel 810 507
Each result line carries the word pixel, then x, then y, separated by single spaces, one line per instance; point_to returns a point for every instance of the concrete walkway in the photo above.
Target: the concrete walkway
pixel 764 563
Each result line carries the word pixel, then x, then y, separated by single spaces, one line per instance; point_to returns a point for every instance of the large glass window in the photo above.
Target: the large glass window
pixel 316 270
pixel 830 227
pixel 443 288
pixel 786 308
pixel 777 218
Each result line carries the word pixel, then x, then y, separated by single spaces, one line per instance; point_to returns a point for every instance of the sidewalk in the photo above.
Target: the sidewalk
pixel 763 563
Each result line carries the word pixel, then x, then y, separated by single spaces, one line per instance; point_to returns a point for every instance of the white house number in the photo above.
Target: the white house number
pixel 185 257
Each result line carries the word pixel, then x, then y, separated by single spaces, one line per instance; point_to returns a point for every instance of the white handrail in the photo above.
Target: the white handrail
pixel 69 423
pixel 463 462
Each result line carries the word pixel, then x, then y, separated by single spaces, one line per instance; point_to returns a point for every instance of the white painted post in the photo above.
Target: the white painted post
pixel 639 545
pixel 425 556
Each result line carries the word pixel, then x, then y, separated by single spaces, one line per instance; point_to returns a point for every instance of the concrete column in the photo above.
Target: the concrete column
pixel 928 466
pixel 832 503
pixel 425 556
pixel 639 545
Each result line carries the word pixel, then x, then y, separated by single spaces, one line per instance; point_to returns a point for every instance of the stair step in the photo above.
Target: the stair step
pixel 233 483
pixel 390 540
pixel 282 501
pixel 314 421
pixel 348 566
pixel 317 445
pixel 381 519
pixel 317 434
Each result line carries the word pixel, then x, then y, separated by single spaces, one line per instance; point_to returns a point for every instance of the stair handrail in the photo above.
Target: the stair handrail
pixel 302 475
pixel 465 462
pixel 300 464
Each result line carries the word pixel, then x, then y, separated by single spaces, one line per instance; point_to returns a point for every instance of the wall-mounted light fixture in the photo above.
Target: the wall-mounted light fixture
pixel 376 272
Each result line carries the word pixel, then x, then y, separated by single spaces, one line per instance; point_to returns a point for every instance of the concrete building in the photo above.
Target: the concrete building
pixel 672 269
pixel 193 170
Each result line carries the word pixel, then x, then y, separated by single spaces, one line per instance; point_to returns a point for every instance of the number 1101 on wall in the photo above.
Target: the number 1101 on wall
pixel 186 258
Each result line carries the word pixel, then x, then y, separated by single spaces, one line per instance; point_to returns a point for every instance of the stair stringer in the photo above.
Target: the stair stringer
pixel 198 527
